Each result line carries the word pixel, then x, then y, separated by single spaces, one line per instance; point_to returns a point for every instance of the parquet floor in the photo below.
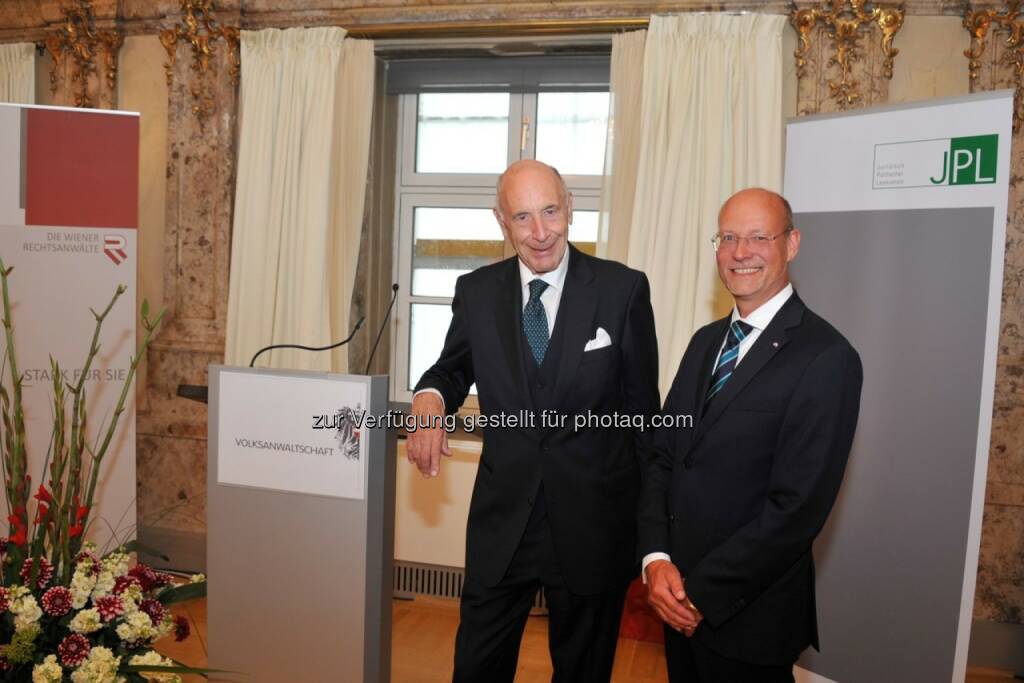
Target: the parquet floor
pixel 423 638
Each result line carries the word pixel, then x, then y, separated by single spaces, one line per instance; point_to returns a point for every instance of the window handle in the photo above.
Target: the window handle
pixel 524 133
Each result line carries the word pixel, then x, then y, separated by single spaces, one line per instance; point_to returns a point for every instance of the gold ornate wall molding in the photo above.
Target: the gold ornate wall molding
pixel 1006 26
pixel 845 23
pixel 200 29
pixel 76 45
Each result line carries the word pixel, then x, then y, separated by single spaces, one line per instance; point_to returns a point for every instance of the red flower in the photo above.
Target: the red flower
pixel 154 609
pixel 146 576
pixel 43 496
pixel 44 575
pixel 41 513
pixel 80 513
pixel 20 537
pixel 74 649
pixel 74 530
pixel 57 601
pixel 86 555
pixel 182 629
pixel 109 607
pixel 122 583
pixel 5 599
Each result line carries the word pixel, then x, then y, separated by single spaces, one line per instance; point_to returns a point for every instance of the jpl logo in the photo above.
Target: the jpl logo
pixel 113 247
pixel 969 161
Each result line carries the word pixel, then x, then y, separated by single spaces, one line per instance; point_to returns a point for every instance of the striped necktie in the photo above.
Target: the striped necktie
pixel 535 321
pixel 738 331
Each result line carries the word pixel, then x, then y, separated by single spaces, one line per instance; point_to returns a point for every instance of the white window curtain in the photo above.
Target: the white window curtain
pixel 18 73
pixel 306 105
pixel 708 123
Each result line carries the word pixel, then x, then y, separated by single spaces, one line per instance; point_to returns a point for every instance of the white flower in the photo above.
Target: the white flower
pixel 82 584
pixel 48 672
pixel 116 563
pixel 136 626
pixel 198 578
pixel 104 584
pixel 24 608
pixel 131 597
pixel 86 621
pixel 99 667
pixel 152 658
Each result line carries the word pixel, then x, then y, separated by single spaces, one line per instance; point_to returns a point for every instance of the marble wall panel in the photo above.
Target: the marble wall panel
pixel 1000 591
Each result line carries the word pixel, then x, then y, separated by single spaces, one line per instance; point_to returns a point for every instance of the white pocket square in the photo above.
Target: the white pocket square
pixel 600 340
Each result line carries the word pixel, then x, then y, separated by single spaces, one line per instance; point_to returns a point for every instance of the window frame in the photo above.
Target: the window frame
pixel 452 190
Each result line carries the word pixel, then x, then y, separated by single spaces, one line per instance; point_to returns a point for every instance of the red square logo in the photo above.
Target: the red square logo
pixel 82 169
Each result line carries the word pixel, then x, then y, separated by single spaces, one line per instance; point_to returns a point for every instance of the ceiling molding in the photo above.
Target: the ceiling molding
pixel 31 20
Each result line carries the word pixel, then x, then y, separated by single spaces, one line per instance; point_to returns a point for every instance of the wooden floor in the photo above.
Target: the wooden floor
pixel 423 639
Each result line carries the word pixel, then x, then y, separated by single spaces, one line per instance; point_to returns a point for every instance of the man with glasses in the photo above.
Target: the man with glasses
pixel 730 508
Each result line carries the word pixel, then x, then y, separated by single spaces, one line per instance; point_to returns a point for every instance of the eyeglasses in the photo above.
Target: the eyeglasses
pixel 731 241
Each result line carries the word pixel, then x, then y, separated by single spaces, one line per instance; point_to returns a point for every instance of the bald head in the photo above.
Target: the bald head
pixel 764 201
pixel 529 171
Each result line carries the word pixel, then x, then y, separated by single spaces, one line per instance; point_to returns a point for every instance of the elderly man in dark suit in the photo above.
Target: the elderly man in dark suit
pixel 558 333
pixel 730 508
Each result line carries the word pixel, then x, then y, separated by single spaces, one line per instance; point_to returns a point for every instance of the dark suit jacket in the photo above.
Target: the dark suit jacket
pixel 591 478
pixel 738 500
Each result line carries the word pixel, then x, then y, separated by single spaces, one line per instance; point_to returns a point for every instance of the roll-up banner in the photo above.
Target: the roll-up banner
pixel 903 216
pixel 68 219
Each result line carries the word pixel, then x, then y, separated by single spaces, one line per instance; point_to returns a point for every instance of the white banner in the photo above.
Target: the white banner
pixel 903 216
pixel 302 434
pixel 68 212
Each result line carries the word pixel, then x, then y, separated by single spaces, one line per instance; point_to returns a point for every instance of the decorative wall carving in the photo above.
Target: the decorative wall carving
pixel 1006 24
pixel 75 46
pixel 200 29
pixel 854 73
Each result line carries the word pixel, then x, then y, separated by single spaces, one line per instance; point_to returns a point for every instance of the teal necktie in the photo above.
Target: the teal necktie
pixel 535 321
pixel 738 331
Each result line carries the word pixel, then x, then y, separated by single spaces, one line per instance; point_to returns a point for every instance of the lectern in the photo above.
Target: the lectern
pixel 300 540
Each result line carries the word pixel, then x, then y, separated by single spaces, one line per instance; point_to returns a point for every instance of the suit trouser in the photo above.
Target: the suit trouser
pixel 582 629
pixel 691 662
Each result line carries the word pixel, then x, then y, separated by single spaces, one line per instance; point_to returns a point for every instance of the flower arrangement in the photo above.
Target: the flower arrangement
pixel 66 612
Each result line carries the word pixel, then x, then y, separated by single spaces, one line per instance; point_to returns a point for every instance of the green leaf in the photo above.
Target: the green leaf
pixel 177 669
pixel 145 308
pixel 183 593
pixel 136 546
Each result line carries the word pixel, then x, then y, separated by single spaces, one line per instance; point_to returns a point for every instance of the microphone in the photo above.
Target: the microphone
pixel 344 341
pixel 394 295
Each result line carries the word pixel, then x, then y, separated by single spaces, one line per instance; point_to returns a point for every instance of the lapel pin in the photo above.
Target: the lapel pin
pixel 775 344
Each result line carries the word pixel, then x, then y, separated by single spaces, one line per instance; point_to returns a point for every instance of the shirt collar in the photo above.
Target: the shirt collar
pixel 764 313
pixel 555 278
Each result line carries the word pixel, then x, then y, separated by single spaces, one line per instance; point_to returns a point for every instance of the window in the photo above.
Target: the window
pixel 454 141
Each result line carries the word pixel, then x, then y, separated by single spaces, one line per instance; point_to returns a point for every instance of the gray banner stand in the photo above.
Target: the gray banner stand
pixel 299 585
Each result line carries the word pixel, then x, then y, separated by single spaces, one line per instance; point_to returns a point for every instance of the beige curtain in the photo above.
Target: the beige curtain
pixel 18 73
pixel 710 123
pixel 306 104
pixel 622 153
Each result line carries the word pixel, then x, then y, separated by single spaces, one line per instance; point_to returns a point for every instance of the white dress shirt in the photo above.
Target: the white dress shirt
pixel 550 298
pixel 758 321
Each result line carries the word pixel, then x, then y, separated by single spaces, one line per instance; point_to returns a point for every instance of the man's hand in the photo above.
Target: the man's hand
pixel 666 595
pixel 425 445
